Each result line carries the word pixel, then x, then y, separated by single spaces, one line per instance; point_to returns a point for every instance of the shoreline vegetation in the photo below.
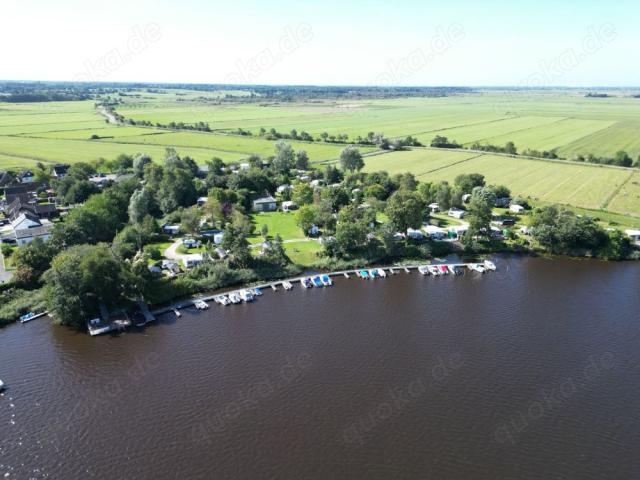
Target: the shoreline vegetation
pixel 168 228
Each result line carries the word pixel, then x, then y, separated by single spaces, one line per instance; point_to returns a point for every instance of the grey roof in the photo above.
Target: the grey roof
pixel 33 232
pixel 268 199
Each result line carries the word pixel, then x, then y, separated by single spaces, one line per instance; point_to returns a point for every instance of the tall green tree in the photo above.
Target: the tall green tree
pixel 351 159
pixel 406 209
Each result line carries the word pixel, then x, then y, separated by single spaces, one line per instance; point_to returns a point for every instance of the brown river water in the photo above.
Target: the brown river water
pixel 529 372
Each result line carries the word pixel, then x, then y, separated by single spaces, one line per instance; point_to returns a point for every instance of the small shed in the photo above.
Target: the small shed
pixel 192 260
pixel 516 208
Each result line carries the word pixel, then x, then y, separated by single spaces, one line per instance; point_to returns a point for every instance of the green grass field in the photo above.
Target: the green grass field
pixel 587 186
pixel 283 223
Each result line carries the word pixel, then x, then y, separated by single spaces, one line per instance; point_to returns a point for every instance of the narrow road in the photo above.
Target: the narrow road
pixel 4 275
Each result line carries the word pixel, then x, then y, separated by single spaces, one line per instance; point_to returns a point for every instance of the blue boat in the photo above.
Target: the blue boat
pixel 373 273
pixel 326 281
pixel 317 281
pixel 364 274
pixel 27 317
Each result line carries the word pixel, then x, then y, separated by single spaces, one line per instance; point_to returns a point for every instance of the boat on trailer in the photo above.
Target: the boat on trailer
pixel 326 280
pixel 382 273
pixel 489 265
pixel 423 270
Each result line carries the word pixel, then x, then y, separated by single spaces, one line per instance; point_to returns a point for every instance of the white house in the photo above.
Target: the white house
pixel 25 221
pixel 265 204
pixel 434 207
pixel 26 176
pixel 245 166
pixel 284 188
pixel 27 235
pixel 192 260
pixel 516 208
pixel 634 235
pixel 456 213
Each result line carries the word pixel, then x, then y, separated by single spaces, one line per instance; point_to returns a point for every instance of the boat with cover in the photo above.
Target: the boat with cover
pixel 326 280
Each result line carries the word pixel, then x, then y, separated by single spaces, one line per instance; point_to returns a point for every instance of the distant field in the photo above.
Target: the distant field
pixel 61 132
pixel 586 186
pixel 569 122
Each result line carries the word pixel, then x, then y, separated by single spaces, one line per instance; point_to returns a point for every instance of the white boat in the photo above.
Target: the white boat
pixel 423 269
pixel 256 292
pixel 303 282
pixel 1 385
pixel 224 300
pixel 200 305
pixel 235 298
pixel 177 312
pixel 246 296
pixel 287 285
pixel 433 270
pixel 489 265
pixel 452 269
pixel 326 280
pixel 476 267
pixel 382 273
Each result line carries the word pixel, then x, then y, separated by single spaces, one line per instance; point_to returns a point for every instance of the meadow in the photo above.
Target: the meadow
pixel 586 185
pixel 566 121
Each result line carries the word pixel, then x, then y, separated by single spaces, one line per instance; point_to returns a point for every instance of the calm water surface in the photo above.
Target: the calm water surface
pixel 529 372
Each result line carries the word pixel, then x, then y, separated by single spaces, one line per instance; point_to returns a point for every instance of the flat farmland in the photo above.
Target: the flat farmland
pixel 587 186
pixel 566 121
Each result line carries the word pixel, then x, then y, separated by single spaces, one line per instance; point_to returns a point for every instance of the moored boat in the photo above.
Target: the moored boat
pixel 303 282
pixel 224 300
pixel 433 270
pixel 1 385
pixel 373 273
pixel 423 269
pixel 382 273
pixel 287 285
pixel 364 274
pixel 326 280
pixel 235 298
pixel 201 305
pixel 317 281
pixel 489 265
pixel 443 269
pixel 256 292
pixel 246 296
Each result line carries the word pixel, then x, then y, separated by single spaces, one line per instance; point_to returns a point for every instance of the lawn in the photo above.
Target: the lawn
pixel 303 252
pixel 283 223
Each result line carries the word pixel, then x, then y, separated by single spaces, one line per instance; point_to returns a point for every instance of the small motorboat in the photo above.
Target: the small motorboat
pixel 235 298
pixel 317 281
pixel 326 280
pixel 489 265
pixel 477 268
pixel 452 269
pixel 1 385
pixel 25 318
pixel 201 305
pixel 177 312
pixel 246 296
pixel 373 273
pixel 444 270
pixel 382 273
pixel 364 274
pixel 303 282
pixel 223 300
pixel 433 270
pixel 423 269
pixel 287 285
pixel 256 292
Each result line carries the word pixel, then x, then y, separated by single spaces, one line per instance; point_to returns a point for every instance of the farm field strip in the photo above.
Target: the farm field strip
pixel 587 186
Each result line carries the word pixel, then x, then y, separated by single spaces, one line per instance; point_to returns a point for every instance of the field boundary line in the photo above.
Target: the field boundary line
pixel 450 165
pixel 616 191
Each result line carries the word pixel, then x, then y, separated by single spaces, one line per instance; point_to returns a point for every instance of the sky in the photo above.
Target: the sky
pixel 540 43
